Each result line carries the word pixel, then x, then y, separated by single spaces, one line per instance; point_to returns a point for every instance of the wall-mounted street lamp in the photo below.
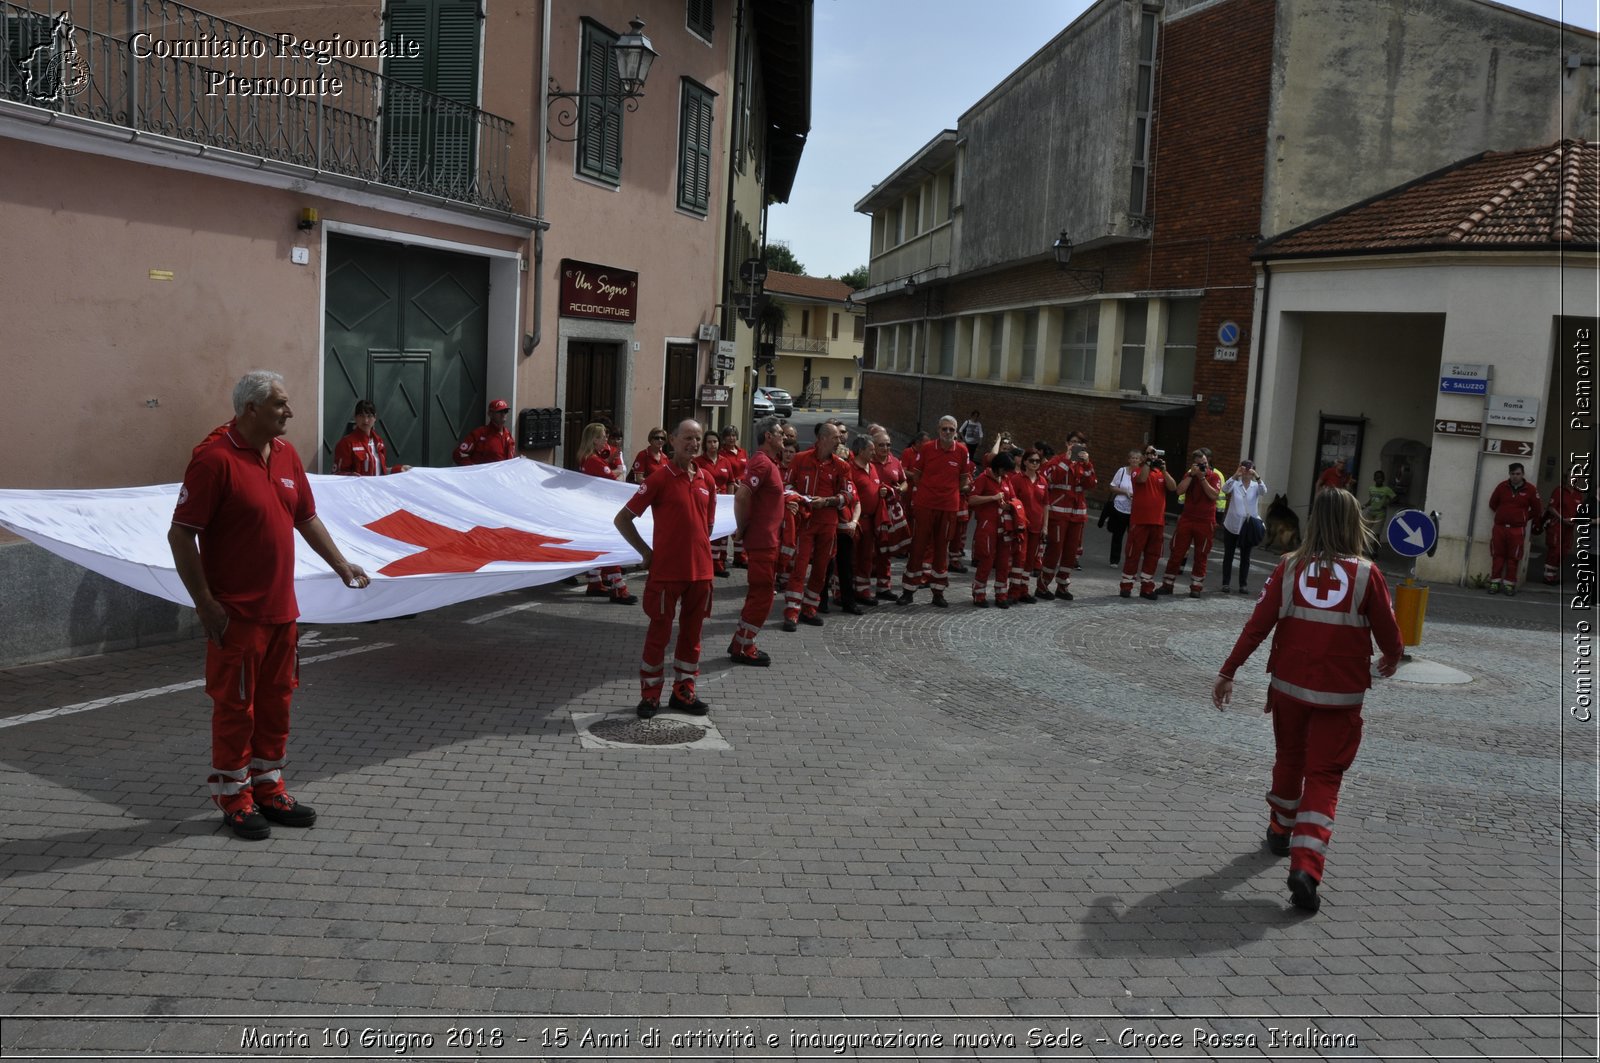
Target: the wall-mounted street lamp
pixel 633 55
pixel 1063 252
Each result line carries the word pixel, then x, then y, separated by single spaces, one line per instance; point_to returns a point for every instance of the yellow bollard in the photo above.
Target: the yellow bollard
pixel 1410 606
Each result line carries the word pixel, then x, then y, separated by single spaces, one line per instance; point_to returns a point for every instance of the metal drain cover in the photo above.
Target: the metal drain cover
pixel 655 732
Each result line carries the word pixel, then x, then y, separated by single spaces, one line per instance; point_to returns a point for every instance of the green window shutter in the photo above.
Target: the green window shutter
pixel 701 16
pixel 424 142
pixel 599 120
pixel 696 111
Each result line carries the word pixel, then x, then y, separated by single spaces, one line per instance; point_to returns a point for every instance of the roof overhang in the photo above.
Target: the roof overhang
pixel 783 39
pixel 932 157
pixel 1160 409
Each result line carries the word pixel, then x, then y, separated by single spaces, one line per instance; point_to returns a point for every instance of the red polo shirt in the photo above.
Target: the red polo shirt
pixel 1150 500
pixel 246 511
pixel 821 477
pixel 939 476
pixel 682 505
pixel 647 463
pixel 764 480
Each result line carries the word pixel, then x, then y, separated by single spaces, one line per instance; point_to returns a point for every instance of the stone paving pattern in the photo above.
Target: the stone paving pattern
pixel 1030 818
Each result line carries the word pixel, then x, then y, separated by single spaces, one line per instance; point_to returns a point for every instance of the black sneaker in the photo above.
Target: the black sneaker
pixel 287 812
pixel 1028 599
pixel 1164 589
pixel 692 707
pixel 954 567
pixel 1303 891
pixel 1126 594
pixel 790 625
pixel 939 602
pixel 1002 603
pixel 248 823
pixel 1063 596
pixel 1225 588
pixel 1044 596
pixel 981 603
pixel 647 708
pixel 1277 842
pixel 624 599
pixel 853 609
pixel 755 657
pixel 822 606
pixel 906 598
pixel 811 618
pixel 1149 596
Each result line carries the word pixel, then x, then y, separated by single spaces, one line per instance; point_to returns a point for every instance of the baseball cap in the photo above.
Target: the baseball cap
pixel 499 404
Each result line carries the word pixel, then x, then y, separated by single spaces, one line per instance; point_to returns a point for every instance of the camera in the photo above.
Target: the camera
pixel 1158 463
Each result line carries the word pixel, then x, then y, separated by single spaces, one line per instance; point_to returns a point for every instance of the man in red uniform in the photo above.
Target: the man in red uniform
pixel 244 496
pixel 938 474
pixel 1069 478
pixel 758 504
pixel 1334 476
pixel 1560 518
pixel 1147 524
pixel 993 503
pixel 683 503
pixel 1197 522
pixel 738 459
pixel 489 442
pixel 1514 503
pixel 822 480
pixel 363 452
pixel 1328 605
pixel 869 492
pixel 894 530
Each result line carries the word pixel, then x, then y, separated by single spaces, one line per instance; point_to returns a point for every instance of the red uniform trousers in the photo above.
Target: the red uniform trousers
pixel 250 679
pixel 990 553
pixel 1505 552
pixel 1557 545
pixel 1199 535
pixel 1062 546
pixel 813 548
pixel 1029 548
pixel 958 533
pixel 929 562
pixel 1316 745
pixel 1142 555
pixel 865 546
pixel 757 600
pixel 691 601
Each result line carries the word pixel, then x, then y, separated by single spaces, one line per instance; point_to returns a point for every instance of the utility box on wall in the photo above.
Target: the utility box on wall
pixel 539 428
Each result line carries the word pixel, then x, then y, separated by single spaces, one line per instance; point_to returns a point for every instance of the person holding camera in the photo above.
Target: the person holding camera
pixel 1197 522
pixel 1147 523
pixel 1242 530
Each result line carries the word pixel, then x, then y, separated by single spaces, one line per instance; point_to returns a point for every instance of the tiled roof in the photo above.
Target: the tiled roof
pixel 1537 198
pixel 825 289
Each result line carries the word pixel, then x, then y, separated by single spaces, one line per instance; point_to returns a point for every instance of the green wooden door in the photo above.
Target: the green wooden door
pixel 408 328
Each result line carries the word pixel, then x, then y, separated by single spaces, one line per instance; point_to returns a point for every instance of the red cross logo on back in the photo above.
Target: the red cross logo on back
pixel 1324 589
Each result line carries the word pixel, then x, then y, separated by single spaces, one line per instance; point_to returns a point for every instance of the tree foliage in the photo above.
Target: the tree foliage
pixel 856 278
pixel 780 258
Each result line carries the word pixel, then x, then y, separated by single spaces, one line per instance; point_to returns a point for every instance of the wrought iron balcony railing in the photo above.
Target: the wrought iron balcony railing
pixel 803 344
pixel 160 67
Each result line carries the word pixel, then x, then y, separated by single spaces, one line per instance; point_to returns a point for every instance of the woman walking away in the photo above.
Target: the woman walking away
pixel 1243 491
pixel 1328 604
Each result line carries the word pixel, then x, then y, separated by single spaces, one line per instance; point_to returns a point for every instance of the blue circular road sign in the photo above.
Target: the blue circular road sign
pixel 1410 533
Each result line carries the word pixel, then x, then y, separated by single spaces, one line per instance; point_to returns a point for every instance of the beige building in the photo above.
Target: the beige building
pixel 817 347
pixel 430 203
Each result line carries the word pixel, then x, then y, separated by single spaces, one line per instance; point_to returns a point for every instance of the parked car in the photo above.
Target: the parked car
pixel 760 405
pixel 781 400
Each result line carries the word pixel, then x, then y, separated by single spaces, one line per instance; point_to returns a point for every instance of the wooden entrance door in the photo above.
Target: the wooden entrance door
pixel 592 372
pixel 680 393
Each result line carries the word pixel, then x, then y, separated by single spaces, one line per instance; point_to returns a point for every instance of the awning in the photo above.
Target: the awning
pixel 1160 409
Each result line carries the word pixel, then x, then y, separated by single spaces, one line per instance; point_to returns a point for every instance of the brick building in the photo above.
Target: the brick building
pixel 1160 145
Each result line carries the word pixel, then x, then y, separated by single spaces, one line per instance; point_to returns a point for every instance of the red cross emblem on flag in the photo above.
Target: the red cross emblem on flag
pixel 448 550
pixel 1324 589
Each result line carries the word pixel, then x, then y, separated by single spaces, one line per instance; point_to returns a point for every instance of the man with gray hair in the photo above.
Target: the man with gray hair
pixel 939 474
pixel 244 496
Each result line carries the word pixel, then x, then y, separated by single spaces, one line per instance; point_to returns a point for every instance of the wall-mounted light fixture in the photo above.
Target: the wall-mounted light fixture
pixel 308 218
pixel 1063 252
pixel 633 55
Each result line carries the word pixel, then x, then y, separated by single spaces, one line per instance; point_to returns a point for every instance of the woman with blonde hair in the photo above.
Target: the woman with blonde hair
pixel 1328 604
pixel 594 459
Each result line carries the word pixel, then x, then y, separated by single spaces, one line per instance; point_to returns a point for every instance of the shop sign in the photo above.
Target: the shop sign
pixel 603 293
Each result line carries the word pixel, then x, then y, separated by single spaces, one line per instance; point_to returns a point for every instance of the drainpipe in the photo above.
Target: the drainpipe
pixel 728 265
pixel 1259 341
pixel 531 341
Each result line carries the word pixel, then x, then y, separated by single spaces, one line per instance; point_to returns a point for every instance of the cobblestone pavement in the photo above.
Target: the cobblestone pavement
pixel 952 827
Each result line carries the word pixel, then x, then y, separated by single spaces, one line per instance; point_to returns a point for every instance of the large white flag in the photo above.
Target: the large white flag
pixel 428 537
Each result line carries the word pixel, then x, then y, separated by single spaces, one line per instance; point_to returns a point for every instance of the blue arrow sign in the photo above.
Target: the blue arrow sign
pixel 1410 533
pixel 1464 387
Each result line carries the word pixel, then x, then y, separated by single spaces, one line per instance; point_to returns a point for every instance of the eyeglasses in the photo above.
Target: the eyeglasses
pixel 1032 461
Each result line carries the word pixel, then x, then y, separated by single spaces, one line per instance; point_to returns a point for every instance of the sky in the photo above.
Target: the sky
pixel 945 60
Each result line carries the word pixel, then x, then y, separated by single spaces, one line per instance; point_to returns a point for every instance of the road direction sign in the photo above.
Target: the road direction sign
pixel 1518 447
pixel 1458 428
pixel 1464 379
pixel 1508 409
pixel 1410 533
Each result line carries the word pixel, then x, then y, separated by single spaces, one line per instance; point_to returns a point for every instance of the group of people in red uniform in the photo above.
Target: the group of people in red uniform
pixel 1515 507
